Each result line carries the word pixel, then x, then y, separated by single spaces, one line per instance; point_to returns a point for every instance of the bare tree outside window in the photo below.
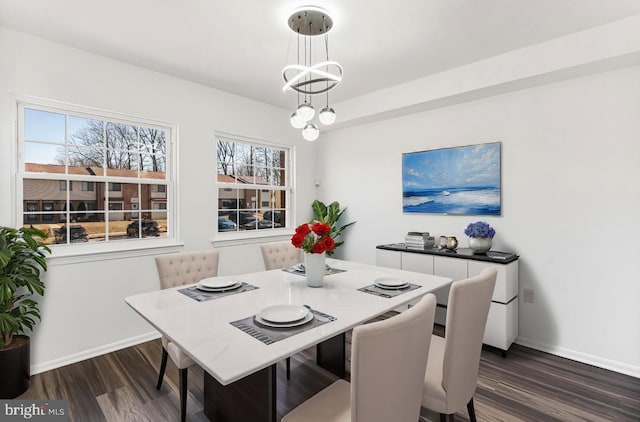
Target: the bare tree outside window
pixel 252 185
pixel 226 157
pixel 122 187
pixel 93 143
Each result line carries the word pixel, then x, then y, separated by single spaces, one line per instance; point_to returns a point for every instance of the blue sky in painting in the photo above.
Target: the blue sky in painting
pixel 474 165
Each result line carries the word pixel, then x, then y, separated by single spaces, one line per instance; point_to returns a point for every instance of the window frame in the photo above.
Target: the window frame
pixel 288 188
pixel 113 247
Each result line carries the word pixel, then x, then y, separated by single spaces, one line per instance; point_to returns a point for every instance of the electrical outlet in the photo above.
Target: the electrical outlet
pixel 527 295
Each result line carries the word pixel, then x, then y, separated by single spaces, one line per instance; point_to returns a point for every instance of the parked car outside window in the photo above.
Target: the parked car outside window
pixel 226 225
pixel 275 216
pixel 149 228
pixel 77 233
pixel 260 224
pixel 244 217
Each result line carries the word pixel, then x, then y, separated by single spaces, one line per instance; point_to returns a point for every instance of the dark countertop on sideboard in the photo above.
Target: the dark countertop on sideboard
pixel 463 253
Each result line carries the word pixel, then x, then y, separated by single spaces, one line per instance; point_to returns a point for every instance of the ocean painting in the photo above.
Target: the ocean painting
pixel 461 180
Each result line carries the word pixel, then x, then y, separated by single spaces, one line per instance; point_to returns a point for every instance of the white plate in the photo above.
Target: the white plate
pixel 216 283
pixel 382 286
pixel 283 313
pixel 219 289
pixel 390 282
pixel 303 321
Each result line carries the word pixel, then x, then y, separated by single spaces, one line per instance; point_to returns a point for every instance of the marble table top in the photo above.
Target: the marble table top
pixel 203 329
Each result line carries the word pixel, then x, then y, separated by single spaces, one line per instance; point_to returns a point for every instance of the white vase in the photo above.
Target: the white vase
pixel 480 244
pixel 314 268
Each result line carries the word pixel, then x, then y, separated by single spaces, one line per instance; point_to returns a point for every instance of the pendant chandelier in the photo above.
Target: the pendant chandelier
pixel 307 79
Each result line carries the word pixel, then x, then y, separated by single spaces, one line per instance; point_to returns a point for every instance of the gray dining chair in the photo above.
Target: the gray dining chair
pixel 278 255
pixel 178 269
pixel 388 360
pixel 452 369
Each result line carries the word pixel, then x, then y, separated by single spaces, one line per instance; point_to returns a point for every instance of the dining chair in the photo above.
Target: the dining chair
pixel 452 368
pixel 178 269
pixel 279 255
pixel 388 361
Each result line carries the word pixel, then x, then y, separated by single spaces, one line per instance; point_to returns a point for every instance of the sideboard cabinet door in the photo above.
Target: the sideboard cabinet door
pixel 502 322
pixel 447 267
pixel 389 259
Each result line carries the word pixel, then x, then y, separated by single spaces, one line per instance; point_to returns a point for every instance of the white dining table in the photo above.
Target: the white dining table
pixel 239 368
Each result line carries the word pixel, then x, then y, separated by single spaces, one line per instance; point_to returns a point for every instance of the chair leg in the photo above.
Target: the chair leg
pixel 183 394
pixel 288 368
pixel 163 366
pixel 471 410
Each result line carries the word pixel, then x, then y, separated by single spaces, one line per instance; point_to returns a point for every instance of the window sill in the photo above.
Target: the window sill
pixel 91 252
pixel 243 238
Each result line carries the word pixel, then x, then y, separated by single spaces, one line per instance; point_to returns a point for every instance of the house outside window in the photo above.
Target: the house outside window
pixel 116 161
pixel 254 186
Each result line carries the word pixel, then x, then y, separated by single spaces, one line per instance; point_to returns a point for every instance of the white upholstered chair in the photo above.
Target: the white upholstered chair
pixel 388 360
pixel 279 255
pixel 452 369
pixel 175 270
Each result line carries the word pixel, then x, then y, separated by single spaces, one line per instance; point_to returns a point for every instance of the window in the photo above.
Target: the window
pixel 118 164
pixel 253 185
pixel 30 215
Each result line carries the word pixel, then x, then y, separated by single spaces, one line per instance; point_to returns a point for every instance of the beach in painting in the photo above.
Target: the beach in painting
pixel 460 180
pixel 470 200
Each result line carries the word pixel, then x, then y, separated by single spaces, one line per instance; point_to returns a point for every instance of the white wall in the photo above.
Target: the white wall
pixel 571 194
pixel 83 311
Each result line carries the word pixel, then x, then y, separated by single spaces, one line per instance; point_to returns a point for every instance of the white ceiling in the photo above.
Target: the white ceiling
pixel 240 46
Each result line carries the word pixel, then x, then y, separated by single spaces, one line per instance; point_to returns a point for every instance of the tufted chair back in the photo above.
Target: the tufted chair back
pixel 178 269
pixel 279 255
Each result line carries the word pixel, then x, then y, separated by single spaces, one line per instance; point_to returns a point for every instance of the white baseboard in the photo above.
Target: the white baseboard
pixel 598 361
pixel 91 353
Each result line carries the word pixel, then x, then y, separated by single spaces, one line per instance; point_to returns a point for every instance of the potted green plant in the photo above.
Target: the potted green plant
pixel 22 261
pixel 331 215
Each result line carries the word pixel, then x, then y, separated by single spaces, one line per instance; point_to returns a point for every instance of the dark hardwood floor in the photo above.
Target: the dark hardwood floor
pixel 526 386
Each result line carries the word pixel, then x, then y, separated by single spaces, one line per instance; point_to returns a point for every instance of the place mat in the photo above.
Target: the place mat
pixel 269 335
pixel 200 295
pixel 375 290
pixel 329 271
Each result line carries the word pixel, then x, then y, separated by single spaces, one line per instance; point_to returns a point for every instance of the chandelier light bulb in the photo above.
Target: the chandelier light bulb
pixel 297 121
pixel 310 132
pixel 306 112
pixel 327 116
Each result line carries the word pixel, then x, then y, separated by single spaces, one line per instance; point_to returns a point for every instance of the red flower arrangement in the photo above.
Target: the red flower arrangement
pixel 313 238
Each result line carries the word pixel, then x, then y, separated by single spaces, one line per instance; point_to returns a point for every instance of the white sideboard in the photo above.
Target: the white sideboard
pixel 502 323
